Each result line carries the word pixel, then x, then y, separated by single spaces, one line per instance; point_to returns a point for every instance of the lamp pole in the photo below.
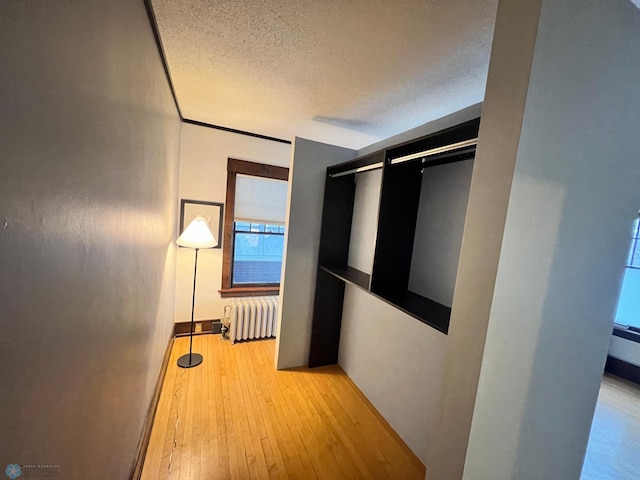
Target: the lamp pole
pixel 197 235
pixel 193 304
pixel 193 359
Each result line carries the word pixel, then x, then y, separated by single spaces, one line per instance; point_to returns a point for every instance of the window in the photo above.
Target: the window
pixel 634 252
pixel 257 254
pixel 253 228
pixel 628 312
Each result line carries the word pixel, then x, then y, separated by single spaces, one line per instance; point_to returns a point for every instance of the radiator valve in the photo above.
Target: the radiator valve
pixel 225 323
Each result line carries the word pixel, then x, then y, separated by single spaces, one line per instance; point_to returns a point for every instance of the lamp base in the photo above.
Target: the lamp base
pixel 196 359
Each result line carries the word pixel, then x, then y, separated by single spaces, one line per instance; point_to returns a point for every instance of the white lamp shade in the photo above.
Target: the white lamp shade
pixel 197 235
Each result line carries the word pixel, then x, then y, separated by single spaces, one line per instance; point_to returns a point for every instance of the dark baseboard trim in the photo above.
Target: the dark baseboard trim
pixel 233 130
pixel 182 329
pixel 151 415
pixel 623 369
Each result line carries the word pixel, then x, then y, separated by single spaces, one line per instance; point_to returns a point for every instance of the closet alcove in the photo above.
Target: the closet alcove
pixel 392 224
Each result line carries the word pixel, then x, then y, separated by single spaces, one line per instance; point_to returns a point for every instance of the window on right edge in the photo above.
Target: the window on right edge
pixel 628 312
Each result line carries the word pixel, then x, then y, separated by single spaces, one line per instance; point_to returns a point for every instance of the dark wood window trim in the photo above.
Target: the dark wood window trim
pixel 235 167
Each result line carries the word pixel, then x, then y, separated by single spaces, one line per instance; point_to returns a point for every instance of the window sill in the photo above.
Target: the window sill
pixel 249 291
pixel 623 331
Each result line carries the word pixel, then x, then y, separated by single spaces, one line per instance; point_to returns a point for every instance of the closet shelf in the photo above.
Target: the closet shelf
pixel 424 309
pixel 349 275
pixel 419 209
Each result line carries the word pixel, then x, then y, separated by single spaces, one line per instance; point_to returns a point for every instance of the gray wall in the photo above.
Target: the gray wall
pixel 505 97
pixel 89 137
pixel 396 361
pixel 304 215
pixel 393 358
pixel 573 199
pixel 439 226
pixel 364 225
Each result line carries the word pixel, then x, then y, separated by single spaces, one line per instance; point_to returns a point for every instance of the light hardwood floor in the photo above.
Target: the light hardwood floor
pixel 237 417
pixel 614 443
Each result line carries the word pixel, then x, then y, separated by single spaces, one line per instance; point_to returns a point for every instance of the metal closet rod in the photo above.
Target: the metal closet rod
pixel 373 166
pixel 423 154
pixel 435 151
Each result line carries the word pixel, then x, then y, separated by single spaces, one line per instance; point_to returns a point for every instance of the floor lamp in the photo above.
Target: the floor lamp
pixel 197 235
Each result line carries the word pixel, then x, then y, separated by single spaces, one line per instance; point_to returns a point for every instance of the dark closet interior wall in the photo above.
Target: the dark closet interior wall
pixel 441 213
pixel 89 142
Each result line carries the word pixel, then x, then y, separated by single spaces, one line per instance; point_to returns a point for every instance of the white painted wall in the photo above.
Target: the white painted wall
pixel 364 224
pixel 439 227
pixel 396 361
pixel 203 176
pixel 304 215
pixel 90 142
pixel 574 194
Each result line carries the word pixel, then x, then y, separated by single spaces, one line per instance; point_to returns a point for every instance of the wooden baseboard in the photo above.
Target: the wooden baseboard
pixel 201 327
pixel 623 369
pixel 151 415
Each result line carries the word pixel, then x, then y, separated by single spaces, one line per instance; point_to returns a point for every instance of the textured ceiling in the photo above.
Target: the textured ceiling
pixel 344 72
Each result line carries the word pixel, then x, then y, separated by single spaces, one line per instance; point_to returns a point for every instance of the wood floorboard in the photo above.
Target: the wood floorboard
pixel 364 459
pixel 236 417
pixel 613 452
pixel 295 457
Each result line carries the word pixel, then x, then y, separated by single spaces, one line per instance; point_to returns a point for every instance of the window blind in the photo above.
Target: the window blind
pixel 260 200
